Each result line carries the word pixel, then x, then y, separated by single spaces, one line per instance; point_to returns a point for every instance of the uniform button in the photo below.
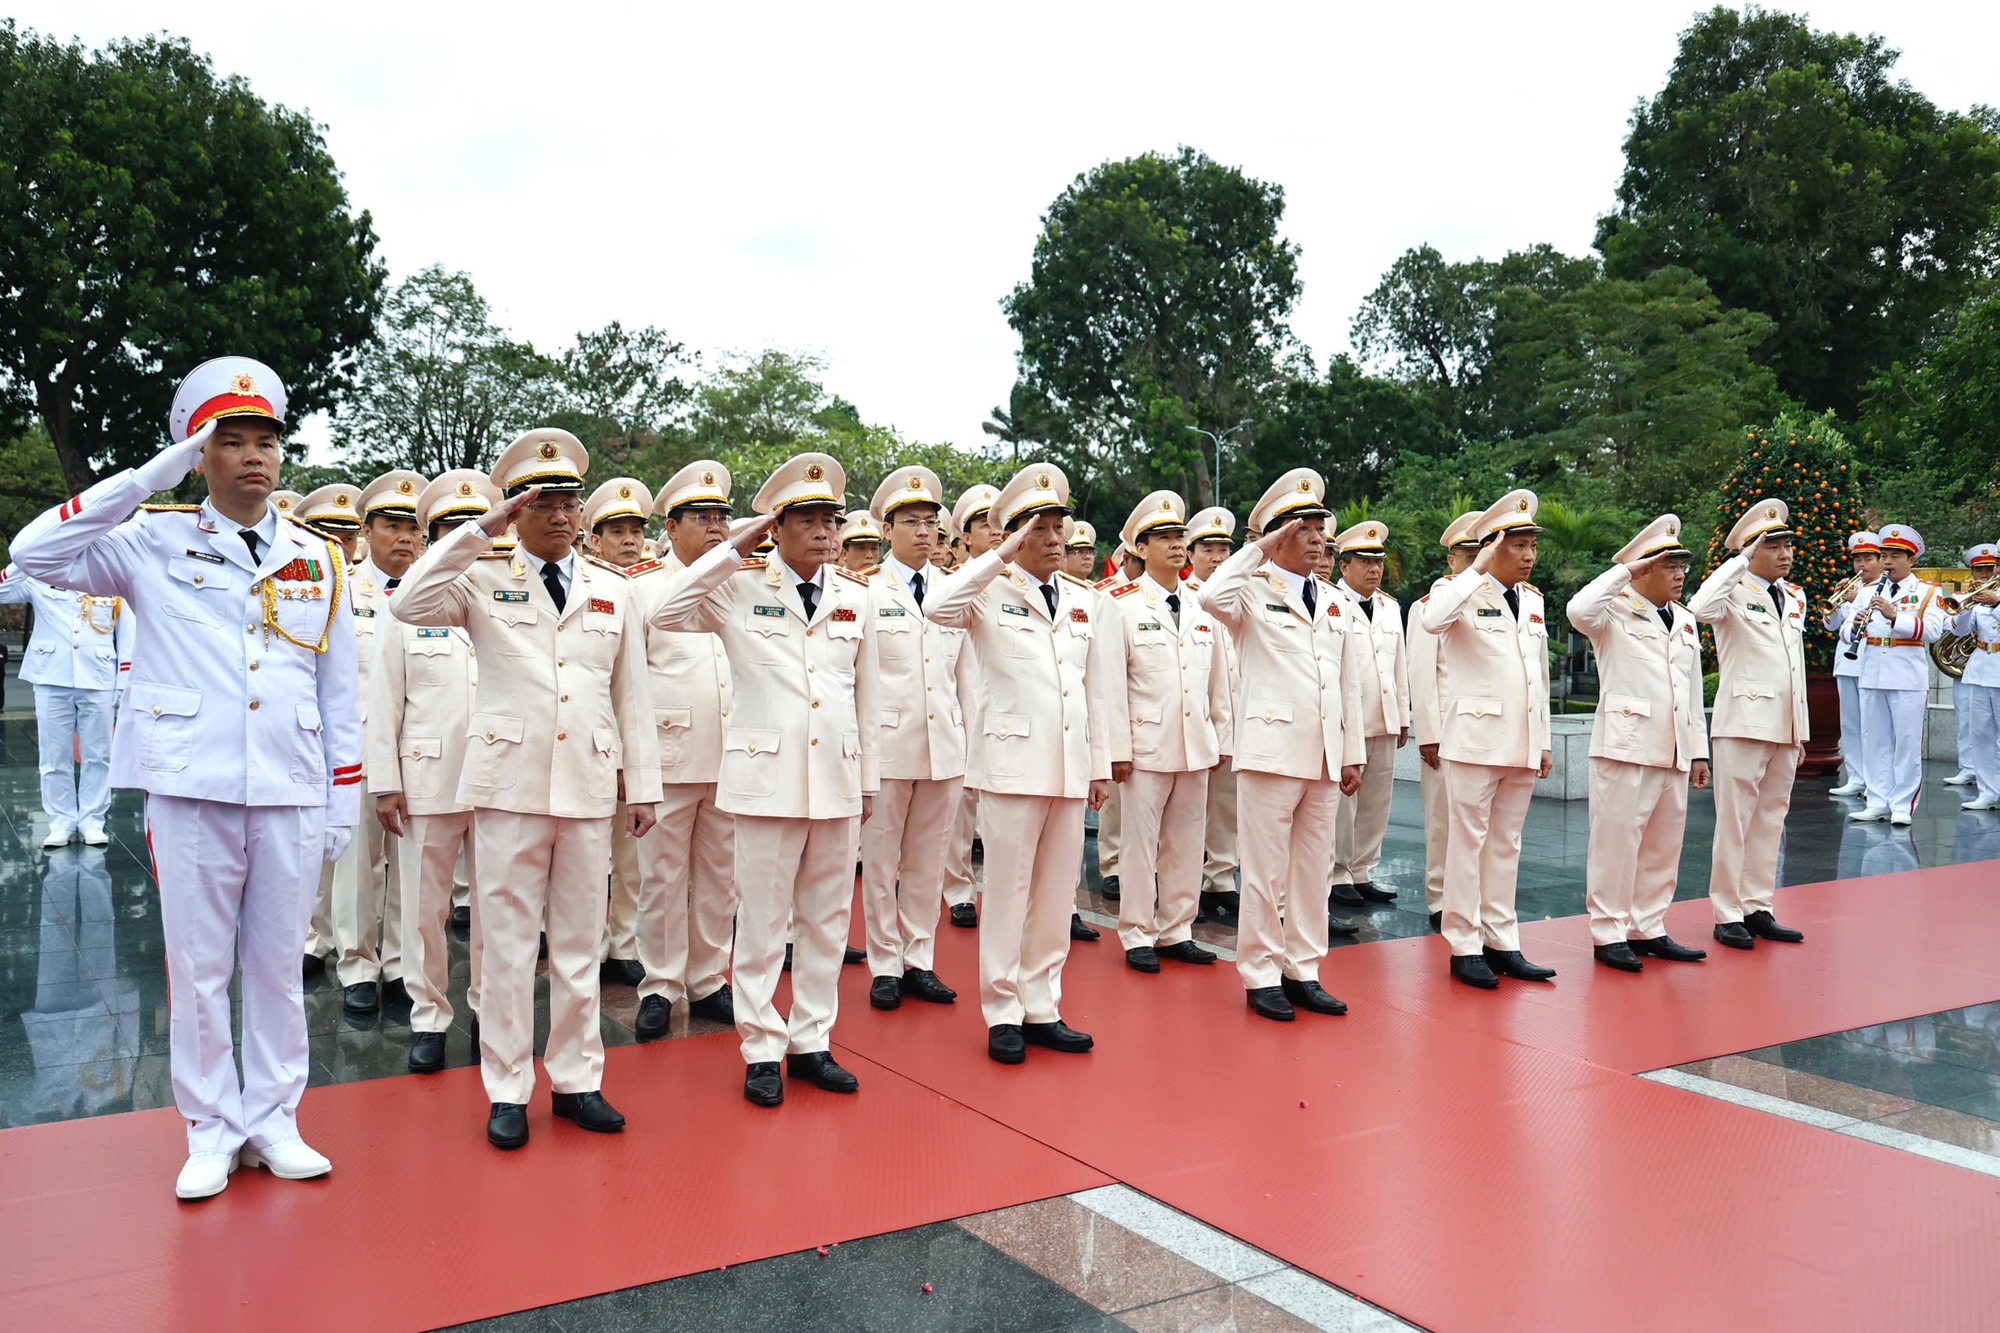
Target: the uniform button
pixel 156 710
pixel 253 666
pixel 254 705
pixel 562 735
pixel 565 699
pixel 250 629
pixel 815 703
pixel 932 716
pixel 197 578
pixel 471 653
pixel 1187 714
pixel 815 740
pixel 489 735
pixel 560 662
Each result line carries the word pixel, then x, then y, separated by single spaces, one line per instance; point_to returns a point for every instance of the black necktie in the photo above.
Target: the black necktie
pixel 1174 608
pixel 250 540
pixel 552 580
pixel 1049 596
pixel 917 588
pixel 1513 603
pixel 389 585
pixel 809 598
pixel 1368 607
pixel 1667 616
pixel 1306 595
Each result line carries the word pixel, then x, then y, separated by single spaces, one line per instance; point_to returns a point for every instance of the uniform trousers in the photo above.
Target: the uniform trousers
pixel 426 855
pixel 902 870
pixel 74 801
pixel 235 884
pixel 958 886
pixel 529 869
pixel 1638 816
pixel 1892 724
pixel 1979 709
pixel 1110 832
pixel 1032 846
pixel 1753 790
pixel 621 919
pixel 1218 872
pixel 1437 827
pixel 796 877
pixel 1853 746
pixel 1364 821
pixel 1286 835
pixel 368 905
pixel 1482 859
pixel 687 895
pixel 1963 717
pixel 1164 817
pixel 319 924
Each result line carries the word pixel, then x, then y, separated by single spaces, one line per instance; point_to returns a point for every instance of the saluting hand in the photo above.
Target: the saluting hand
pixel 1483 562
pixel 497 519
pixel 1011 547
pixel 746 541
pixel 1278 536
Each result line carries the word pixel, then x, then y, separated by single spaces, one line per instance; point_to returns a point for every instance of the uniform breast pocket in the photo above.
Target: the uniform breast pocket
pixel 493 745
pixel 896 637
pixel 516 626
pixel 308 747
pixel 1624 720
pixel 605 756
pixel 1480 724
pixel 1267 725
pixel 428 662
pixel 423 766
pixel 1285 632
pixel 769 640
pixel 843 646
pixel 750 766
pixel 166 716
pixel 1020 637
pixel 676 730
pixel 203 591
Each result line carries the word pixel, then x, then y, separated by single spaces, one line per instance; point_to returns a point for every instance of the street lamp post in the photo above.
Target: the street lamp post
pixel 1218 439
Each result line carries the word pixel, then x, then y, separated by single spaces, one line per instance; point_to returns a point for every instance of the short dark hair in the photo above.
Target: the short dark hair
pixel 679 512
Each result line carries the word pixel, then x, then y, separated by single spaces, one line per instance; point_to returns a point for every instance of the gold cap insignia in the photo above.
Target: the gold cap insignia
pixel 1772 512
pixel 1166 506
pixel 1042 482
pixel 1305 485
pixel 1673 529
pixel 814 472
pixel 244 385
pixel 548 449
pixel 708 479
pixel 405 486
pixel 465 488
pixel 340 501
pixel 916 483
pixel 1521 505
pixel 624 492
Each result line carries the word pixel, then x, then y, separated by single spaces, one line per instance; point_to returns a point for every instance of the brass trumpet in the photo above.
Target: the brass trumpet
pixel 1953 603
pixel 1838 597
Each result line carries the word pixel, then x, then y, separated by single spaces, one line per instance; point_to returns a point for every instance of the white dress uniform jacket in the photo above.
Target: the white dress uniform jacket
pixel 1498 710
pixel 1176 679
pixel 80 642
pixel 1895 656
pixel 924 690
pixel 691 687
pixel 1385 667
pixel 1649 708
pixel 1760 645
pixel 1982 624
pixel 421 703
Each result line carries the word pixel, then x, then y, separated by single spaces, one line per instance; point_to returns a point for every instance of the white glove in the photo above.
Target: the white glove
pixel 164 470
pixel 337 836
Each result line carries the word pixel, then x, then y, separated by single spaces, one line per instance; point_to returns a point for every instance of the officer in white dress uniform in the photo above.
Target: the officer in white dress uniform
pixel 615 516
pixel 1864 550
pixel 334 512
pixel 562 714
pixel 1495 737
pixel 422 689
pixel 1299 740
pixel 1079 549
pixel 1051 715
pixel 77 661
pixel 1210 535
pixel 1978 692
pixel 1363 822
pixel 687 863
pixel 244 732
pixel 1980 561
pixel 972 519
pixel 798 766
pixel 1648 742
pixel 860 542
pixel 1760 727
pixel 921 700
pixel 1903 618
pixel 1427 680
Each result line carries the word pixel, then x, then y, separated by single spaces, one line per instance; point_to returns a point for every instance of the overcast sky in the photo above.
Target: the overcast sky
pixel 865 182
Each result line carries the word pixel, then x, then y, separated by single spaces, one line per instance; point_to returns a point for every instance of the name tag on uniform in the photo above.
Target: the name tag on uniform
pixel 429 632
pixel 1150 624
pixel 893 611
pixel 1758 607
pixel 609 608
pixel 209 556
pixel 1013 610
pixel 504 595
pixel 1276 606
pixel 768 610
pixel 1489 610
pixel 365 612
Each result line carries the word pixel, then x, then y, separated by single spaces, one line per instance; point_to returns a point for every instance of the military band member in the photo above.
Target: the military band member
pixel 922 697
pixel 1648 742
pixel 1495 737
pixel 1864 551
pixel 1049 719
pixel 334 512
pixel 1177 692
pixel 1427 717
pixel 860 542
pixel 562 709
pixel 420 705
pixel 615 515
pixel 1299 740
pixel 1210 535
pixel 972 518
pixel 1760 728
pixel 1363 821
pixel 1980 562
pixel 242 729
pixel 798 767
pixel 1902 618
pixel 1978 691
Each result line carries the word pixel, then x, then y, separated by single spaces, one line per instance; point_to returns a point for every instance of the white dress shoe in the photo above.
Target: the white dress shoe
pixel 58 836
pixel 1849 789
pixel 1962 778
pixel 1868 814
pixel 95 836
pixel 287 1160
pixel 1981 804
pixel 205 1175
pixel 1900 817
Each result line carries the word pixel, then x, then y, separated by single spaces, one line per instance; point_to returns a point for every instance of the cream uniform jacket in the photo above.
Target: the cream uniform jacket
pixel 563 704
pixel 794 746
pixel 1649 695
pixel 691 686
pixel 364 586
pixel 422 692
pixel 1385 673
pixel 1762 692
pixel 1176 679
pixel 1299 710
pixel 924 692
pixel 1235 682
pixel 1051 688
pixel 1498 710
pixel 1427 677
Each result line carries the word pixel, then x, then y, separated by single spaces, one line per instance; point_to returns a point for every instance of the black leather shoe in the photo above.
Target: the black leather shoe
pixel 461 918
pixel 921 983
pixel 656 1013
pixel 1219 908
pixel 1187 951
pixel 1078 930
pixel 1437 923
pixel 964 915
pixel 1765 927
pixel 719 1006
pixel 588 1110
pixel 1005 1043
pixel 360 998
pixel 427 1053
pixel 1311 996
pixel 1339 928
pixel 1733 934
pixel 1375 893
pixel 1509 963
pixel 314 965
pixel 1667 947
pixel 397 991
pixel 1471 968
pixel 1619 956
pixel 761 1084
pixel 1108 890
pixel 507 1125
pixel 1142 959
pixel 853 957
pixel 1269 1002
pixel 1346 895
pixel 1057 1036
pixel 620 972
pixel 885 993
pixel 818 1068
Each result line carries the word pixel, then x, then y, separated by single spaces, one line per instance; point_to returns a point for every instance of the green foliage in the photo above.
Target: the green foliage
pixel 153 215
pixel 31 480
pixel 1928 431
pixel 1348 425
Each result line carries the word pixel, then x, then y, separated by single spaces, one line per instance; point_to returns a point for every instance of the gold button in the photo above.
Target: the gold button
pixel 565 699
pixel 156 710
pixel 933 717
pixel 562 735
pixel 489 735
pixel 560 662
pixel 753 749
pixel 254 705
pixel 471 652
pixel 249 629
pixel 1187 714
pixel 253 666
pixel 815 740
pixel 815 703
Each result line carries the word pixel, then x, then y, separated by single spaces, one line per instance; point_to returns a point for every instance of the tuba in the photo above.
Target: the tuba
pixel 1952 651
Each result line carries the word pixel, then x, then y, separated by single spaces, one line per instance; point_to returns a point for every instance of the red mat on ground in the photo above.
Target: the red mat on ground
pixel 423 1224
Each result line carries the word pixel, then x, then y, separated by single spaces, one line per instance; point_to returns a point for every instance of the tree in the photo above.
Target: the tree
pixel 774 398
pixel 30 480
pixel 1348 425
pixel 1020 422
pixel 442 386
pixel 1156 301
pixel 1788 169
pixel 153 215
pixel 623 390
pixel 1936 422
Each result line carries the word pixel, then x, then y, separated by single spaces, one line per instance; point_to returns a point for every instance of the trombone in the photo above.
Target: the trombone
pixel 1838 597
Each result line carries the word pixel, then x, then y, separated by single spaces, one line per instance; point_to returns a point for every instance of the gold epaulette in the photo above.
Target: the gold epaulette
pixel 851 576
pixel 175 509
pixel 1081 583
pixel 619 570
pixel 500 553
pixel 1531 588
pixel 872 570
pixel 643 567
pixel 1123 588
pixel 754 562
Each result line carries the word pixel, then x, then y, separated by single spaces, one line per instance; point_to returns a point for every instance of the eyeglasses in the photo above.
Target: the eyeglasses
pixel 556 506
pixel 706 518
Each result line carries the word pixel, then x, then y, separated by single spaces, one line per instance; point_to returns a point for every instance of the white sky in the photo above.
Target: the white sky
pixel 865 181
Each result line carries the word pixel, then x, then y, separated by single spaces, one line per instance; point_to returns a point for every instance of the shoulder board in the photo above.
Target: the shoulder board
pixel 755 562
pixel 171 509
pixel 850 575
pixel 643 567
pixel 289 518
pixel 1082 583
pixel 872 571
pixel 1124 588
pixel 619 570
pixel 1326 582
pixel 1529 587
pixel 1101 583
pixel 1425 598
pixel 496 555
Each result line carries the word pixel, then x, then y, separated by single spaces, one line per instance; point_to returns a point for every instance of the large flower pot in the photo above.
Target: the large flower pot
pixel 1823 716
